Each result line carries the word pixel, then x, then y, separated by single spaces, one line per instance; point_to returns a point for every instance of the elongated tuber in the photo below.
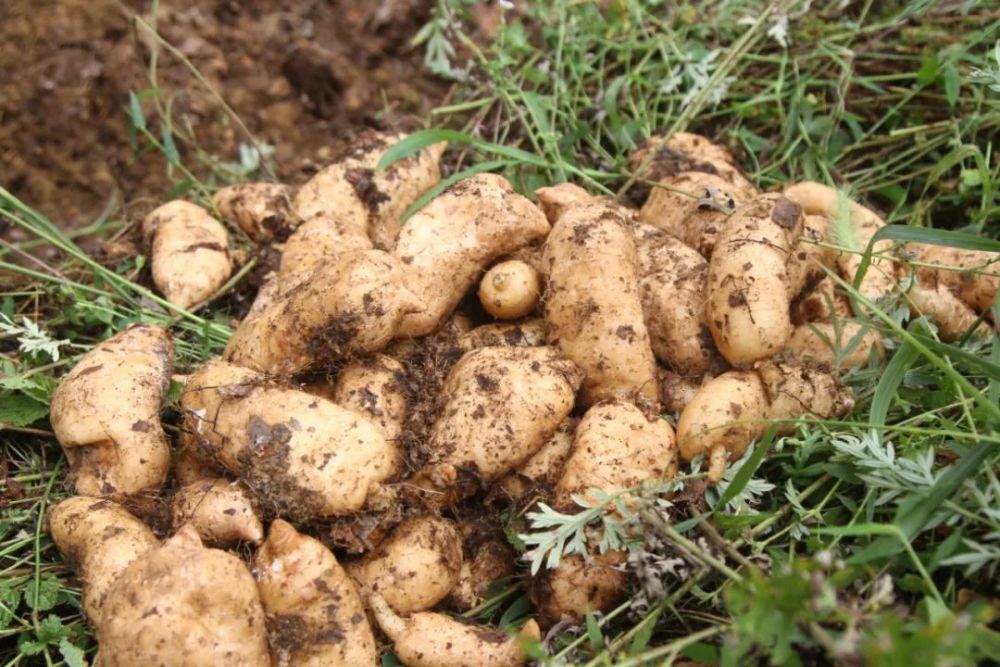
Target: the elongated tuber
pixel 100 539
pixel 748 307
pixel 190 252
pixel 349 307
pixel 447 244
pixel 106 414
pixel 593 307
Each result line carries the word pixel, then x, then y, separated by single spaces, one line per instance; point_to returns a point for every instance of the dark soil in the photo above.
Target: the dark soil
pixel 301 75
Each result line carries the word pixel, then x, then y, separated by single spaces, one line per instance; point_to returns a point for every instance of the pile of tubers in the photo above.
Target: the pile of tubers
pixel 369 403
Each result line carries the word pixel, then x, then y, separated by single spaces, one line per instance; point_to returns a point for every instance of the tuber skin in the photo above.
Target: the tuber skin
pixel 317 244
pixel 349 307
pixel 426 639
pixel 748 304
pixel 106 414
pixel 302 456
pixel 544 467
pixel 100 539
pixel 723 418
pixel 350 205
pixel 183 605
pixel 577 586
pixel 415 567
pixel 593 307
pixel 370 200
pixel 315 616
pixel 500 405
pixel 450 241
pixel 219 510
pixel 510 290
pixel 375 387
pixel 693 206
pixel 522 333
pixel 261 210
pixel 616 447
pixel 555 200
pixel 190 252
pixel 796 390
pixel 846 345
pixel 672 283
pixel 973 275
pixel 952 317
pixel 818 199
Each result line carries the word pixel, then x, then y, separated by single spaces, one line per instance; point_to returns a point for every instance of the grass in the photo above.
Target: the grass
pixel 873 539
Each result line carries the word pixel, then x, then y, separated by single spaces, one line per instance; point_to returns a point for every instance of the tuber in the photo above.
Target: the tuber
pixel 106 414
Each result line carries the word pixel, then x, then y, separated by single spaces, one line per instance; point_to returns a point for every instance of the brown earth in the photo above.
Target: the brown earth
pixel 301 75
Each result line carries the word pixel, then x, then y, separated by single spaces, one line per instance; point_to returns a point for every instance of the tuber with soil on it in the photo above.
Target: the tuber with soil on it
pixel 183 605
pixel 106 414
pixel 189 252
pixel 302 456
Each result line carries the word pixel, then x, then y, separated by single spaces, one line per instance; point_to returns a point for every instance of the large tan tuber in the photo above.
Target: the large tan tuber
pixel 974 275
pixel 426 639
pixel 450 241
pixel 501 405
pixel 349 307
pixel 100 539
pixel 106 414
pixel 593 307
pixel 748 307
pixel 220 511
pixel 415 567
pixel 315 616
pixel 302 456
pixel 350 205
pixel 182 605
pixel 190 252
pixel 952 317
